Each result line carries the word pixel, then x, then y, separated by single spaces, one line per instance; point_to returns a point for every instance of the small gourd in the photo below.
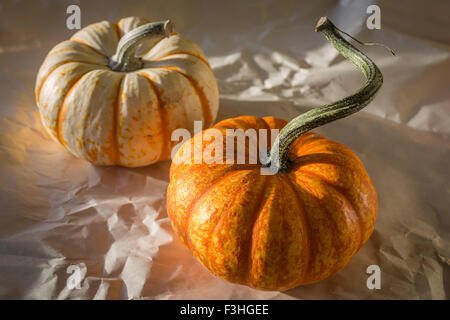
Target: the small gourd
pixel 114 93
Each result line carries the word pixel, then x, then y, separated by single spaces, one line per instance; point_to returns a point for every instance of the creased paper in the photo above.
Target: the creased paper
pixel 60 214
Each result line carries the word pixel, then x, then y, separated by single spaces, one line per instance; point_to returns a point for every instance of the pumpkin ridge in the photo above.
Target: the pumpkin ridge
pixel 163 118
pixel 194 202
pixel 246 254
pixel 116 123
pixel 261 236
pixel 206 109
pixel 89 46
pixel 303 162
pixel 269 133
pixel 185 111
pixel 187 53
pixel 333 234
pixel 308 141
pixel 151 48
pixel 307 225
pixel 315 146
pixel 284 248
pixel 93 157
pixel 61 110
pixel 52 52
pixel 332 270
pixel 274 123
pixel 344 195
pixel 267 126
pixel 225 213
pixel 190 205
pixel 56 66
pixel 102 28
pixel 116 28
pixel 240 122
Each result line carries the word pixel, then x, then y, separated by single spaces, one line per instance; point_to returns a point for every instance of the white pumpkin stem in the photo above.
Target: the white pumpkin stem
pixel 125 58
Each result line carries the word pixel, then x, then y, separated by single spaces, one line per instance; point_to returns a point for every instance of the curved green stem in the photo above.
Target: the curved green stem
pixel 278 159
pixel 125 58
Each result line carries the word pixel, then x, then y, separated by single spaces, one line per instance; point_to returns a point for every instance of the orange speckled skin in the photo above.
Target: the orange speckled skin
pixel 273 232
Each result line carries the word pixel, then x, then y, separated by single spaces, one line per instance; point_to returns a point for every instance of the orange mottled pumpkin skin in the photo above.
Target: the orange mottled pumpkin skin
pixel 272 232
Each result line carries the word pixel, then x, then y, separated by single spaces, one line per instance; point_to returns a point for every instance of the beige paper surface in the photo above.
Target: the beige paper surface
pixel 57 211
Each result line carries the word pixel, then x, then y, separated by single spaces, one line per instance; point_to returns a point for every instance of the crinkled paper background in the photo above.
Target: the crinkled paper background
pixel 57 211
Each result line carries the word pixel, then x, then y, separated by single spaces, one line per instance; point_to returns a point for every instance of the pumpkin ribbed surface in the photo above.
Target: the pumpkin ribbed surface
pixel 123 118
pixel 272 232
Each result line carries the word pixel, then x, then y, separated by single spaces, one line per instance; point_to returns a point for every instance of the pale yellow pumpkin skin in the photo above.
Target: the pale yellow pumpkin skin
pixel 123 118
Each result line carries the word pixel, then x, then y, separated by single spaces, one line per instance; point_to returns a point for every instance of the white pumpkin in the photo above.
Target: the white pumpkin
pixel 117 103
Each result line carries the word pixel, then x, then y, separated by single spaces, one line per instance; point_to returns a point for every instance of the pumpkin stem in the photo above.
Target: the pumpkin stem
pixel 278 161
pixel 125 58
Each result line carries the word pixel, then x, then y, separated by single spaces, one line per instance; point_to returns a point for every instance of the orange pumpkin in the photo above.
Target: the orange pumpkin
pixel 297 226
